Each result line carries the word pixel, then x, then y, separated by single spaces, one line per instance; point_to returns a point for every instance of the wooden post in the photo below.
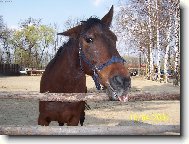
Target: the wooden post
pixel 91 130
pixel 137 96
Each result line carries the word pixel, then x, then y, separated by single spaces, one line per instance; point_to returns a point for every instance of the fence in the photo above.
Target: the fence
pixel 9 69
pixel 84 130
pixel 35 72
pixel 92 130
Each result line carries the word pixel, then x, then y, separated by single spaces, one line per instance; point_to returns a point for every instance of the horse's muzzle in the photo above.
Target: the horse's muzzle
pixel 118 88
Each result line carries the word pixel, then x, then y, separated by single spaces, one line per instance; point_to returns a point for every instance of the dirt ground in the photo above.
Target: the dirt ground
pixel 139 113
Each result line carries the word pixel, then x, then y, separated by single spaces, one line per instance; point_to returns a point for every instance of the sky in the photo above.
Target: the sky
pixel 52 11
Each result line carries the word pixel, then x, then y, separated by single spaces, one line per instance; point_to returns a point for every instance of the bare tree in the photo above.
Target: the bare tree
pixel 177 38
pixel 5 38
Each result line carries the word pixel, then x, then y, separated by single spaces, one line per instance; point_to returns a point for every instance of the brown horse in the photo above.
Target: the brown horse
pixel 91 50
pixel 70 113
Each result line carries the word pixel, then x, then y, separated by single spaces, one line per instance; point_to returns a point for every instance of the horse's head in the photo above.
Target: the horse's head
pixel 99 56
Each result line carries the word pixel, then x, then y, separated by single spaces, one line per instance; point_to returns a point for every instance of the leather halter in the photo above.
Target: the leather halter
pixel 95 69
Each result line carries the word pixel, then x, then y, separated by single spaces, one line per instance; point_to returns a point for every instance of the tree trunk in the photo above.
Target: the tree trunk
pixel 177 32
pixel 147 63
pixel 158 41
pixel 151 68
pixel 166 64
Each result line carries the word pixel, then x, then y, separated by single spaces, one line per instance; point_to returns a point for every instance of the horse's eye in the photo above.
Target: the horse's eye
pixel 89 40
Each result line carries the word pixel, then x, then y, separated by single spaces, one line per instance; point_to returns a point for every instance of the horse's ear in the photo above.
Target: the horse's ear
pixel 107 19
pixel 73 32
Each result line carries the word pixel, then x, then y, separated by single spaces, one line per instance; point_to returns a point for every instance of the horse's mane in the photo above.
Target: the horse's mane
pixel 58 53
pixel 60 50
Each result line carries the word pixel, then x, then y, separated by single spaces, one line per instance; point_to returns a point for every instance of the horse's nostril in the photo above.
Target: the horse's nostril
pixel 119 82
pixel 127 82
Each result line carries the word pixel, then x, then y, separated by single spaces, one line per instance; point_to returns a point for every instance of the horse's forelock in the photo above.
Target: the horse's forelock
pixel 91 22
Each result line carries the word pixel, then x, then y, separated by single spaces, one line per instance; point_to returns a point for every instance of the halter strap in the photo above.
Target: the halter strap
pixel 114 59
pixel 95 75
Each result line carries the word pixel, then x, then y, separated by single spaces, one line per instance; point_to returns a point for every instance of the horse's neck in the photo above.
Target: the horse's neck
pixel 64 74
pixel 70 63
